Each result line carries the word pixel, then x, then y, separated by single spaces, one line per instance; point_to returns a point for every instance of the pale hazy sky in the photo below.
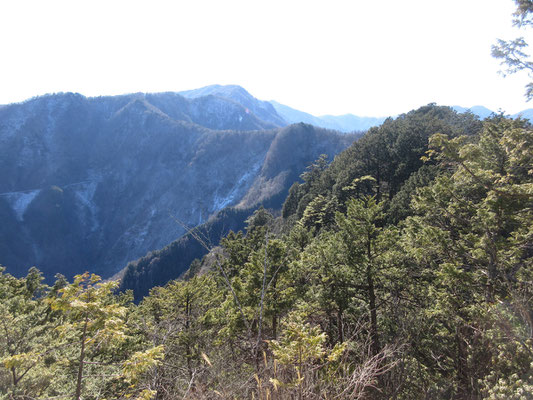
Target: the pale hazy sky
pixel 325 57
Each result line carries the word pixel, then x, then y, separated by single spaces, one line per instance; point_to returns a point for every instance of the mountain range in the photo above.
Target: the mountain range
pixel 106 182
pixel 93 183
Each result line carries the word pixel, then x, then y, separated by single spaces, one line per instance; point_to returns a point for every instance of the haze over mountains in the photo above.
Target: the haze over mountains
pixel 344 123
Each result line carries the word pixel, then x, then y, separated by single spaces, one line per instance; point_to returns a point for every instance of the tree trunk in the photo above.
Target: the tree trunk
pixel 15 379
pixel 378 184
pixel 465 391
pixel 82 358
pixel 188 354
pixel 340 326
pixel 372 301
pixel 262 303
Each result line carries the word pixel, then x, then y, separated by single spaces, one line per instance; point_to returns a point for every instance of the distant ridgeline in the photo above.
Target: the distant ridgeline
pixel 93 183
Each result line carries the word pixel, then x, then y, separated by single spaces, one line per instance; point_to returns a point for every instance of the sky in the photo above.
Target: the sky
pixel 369 58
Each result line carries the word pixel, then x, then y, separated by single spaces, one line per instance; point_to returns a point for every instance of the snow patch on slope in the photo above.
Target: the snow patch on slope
pixel 220 202
pixel 19 201
pixel 85 194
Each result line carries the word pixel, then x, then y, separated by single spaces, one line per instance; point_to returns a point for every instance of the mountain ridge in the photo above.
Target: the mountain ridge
pixel 271 114
pixel 92 183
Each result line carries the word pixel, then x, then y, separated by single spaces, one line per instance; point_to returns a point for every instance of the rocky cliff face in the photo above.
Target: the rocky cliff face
pixel 92 183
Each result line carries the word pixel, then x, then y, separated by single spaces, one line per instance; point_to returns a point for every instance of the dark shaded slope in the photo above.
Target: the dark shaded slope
pixel 42 144
pixel 160 266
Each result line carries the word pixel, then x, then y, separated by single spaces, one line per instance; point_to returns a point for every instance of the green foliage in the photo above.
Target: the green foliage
pixel 26 340
pixel 300 345
pixel 385 157
pixel 319 213
pixel 417 256
pixel 512 52
pixel 181 319
pixel 473 230
pixel 72 340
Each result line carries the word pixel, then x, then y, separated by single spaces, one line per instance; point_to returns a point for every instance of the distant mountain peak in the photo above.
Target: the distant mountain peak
pixel 262 109
pixel 216 90
pixel 481 111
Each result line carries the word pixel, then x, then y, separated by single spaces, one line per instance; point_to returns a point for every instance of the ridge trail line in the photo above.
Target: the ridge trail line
pixel 32 190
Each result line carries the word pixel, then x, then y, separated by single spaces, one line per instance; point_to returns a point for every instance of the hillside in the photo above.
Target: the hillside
pixel 92 183
pixel 402 269
pixel 292 149
pixel 390 154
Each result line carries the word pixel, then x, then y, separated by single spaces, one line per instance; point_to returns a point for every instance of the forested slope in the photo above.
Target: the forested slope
pixel 402 270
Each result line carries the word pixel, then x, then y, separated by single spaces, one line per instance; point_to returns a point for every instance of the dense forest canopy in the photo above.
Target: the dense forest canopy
pixel 402 269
